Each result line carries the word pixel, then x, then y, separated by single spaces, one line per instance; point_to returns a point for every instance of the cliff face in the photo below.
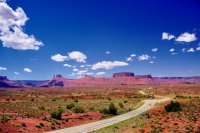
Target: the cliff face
pixel 5 83
pixel 58 81
pixel 123 78
pixel 123 74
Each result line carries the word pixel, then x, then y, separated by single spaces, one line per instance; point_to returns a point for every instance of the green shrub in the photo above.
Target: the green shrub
pixel 53 127
pixel 112 109
pixel 121 105
pixel 76 100
pixel 104 111
pixel 53 99
pixel 41 108
pixel 78 109
pixel 23 124
pixel 70 106
pixel 38 126
pixel 125 101
pixel 41 124
pixel 57 114
pixel 109 99
pixel 173 107
pixel 5 118
pixel 66 119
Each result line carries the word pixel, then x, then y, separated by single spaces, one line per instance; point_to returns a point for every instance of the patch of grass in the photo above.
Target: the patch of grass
pixel 5 118
pixel 78 109
pixel 70 106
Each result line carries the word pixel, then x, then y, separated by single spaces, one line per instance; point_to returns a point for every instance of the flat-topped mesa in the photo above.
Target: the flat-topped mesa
pixel 123 74
pixel 3 78
pixel 143 76
pixel 57 76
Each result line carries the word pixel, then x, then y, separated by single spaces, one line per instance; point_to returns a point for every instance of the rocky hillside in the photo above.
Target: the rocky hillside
pixel 5 83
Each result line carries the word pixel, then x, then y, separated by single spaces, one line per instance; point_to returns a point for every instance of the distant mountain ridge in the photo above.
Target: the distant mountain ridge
pixel 4 82
pixel 122 78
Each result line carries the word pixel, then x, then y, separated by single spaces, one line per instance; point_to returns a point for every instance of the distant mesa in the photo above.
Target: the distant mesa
pixel 123 74
pixel 57 76
pixel 143 76
pixel 3 77
pixel 121 78
pixel 5 83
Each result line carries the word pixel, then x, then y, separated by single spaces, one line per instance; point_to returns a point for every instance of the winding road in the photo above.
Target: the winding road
pixel 85 128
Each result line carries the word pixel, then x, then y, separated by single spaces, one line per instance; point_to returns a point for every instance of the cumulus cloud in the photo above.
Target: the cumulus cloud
pixel 3 68
pixel 191 50
pixel 75 70
pixel 67 65
pixel 144 57
pixel 74 55
pixel 131 57
pixel 17 73
pixel 186 37
pixel 100 73
pixel 28 70
pixel 12 34
pixel 84 72
pixel 154 49
pixel 167 36
pixel 59 58
pixel 77 56
pixel 172 50
pixel 108 65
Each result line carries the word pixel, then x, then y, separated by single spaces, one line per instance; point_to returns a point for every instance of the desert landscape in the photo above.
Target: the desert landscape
pixel 62 103
pixel 99 66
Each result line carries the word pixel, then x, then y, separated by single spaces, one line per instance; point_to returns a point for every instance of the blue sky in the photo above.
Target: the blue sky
pixel 97 37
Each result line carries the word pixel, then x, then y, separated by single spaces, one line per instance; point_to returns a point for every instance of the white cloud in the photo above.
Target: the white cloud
pixel 186 37
pixel 84 72
pixel 75 69
pixel 28 70
pixel 67 65
pixel 174 53
pixel 11 29
pixel 154 50
pixel 167 36
pixel 151 62
pixel 59 58
pixel 77 56
pixel 172 50
pixel 108 52
pixel 108 65
pixel 131 57
pixel 144 57
pixel 86 65
pixel 183 50
pixel 3 68
pixel 100 73
pixel 82 66
pixel 17 73
pixel 191 50
pixel 198 47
